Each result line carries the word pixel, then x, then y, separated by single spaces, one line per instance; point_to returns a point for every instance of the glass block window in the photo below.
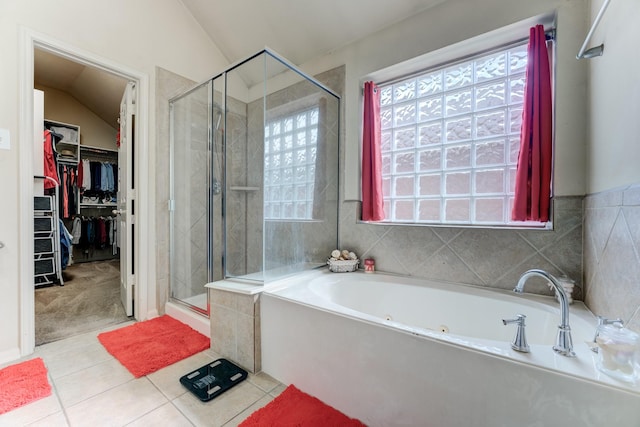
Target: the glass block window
pixel 450 141
pixel 290 165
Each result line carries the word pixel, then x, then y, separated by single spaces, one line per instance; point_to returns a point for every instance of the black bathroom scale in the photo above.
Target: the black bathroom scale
pixel 213 379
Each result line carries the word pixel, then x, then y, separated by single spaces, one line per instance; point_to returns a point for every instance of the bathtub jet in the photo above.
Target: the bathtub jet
pixel 564 344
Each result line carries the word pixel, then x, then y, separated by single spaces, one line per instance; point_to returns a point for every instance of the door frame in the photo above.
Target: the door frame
pixel 145 290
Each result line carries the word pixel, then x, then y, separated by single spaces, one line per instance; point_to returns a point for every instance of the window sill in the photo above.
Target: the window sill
pixel 547 226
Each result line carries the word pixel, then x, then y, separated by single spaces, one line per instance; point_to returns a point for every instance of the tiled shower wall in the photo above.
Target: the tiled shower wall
pixel 238 216
pixel 612 254
pixel 291 242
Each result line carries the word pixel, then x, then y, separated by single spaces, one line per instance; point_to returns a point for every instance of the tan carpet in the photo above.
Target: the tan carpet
pixel 88 301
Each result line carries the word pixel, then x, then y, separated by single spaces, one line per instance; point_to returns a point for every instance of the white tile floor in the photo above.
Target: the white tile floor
pixel 91 388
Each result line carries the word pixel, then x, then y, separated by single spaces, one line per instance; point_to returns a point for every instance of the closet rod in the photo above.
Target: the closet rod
pixel 585 53
pixel 99 149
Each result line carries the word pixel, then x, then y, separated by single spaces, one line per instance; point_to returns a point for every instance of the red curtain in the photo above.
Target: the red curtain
pixel 372 203
pixel 533 176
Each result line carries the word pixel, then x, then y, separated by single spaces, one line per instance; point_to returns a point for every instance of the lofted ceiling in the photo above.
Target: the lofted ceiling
pixel 299 30
pixel 97 89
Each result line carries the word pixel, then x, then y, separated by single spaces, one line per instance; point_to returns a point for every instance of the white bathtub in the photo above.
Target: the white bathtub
pixel 397 351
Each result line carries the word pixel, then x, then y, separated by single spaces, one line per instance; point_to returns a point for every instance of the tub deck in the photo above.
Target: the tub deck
pixel 387 373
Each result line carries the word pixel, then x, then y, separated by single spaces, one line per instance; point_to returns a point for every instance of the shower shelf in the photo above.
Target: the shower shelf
pixel 237 188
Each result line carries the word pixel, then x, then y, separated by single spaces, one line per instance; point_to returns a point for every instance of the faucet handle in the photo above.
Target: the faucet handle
pixel 601 322
pixel 519 319
pixel 606 321
pixel 520 341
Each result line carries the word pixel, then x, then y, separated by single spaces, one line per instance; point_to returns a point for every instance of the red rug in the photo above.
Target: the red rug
pixel 23 383
pixel 296 408
pixel 148 346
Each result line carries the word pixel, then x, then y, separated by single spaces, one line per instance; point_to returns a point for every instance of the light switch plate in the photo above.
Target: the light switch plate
pixel 5 142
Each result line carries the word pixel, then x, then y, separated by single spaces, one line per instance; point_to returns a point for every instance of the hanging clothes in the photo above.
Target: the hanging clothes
pixel 101 233
pixel 65 245
pixel 67 192
pixel 76 230
pixel 95 233
pixel 114 170
pixel 50 169
pixel 85 182
pixel 110 178
pixel 96 175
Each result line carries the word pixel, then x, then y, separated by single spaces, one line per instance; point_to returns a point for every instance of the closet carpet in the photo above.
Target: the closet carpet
pixel 89 300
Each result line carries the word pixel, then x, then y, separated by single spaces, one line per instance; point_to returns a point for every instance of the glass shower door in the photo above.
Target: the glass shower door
pixel 190 169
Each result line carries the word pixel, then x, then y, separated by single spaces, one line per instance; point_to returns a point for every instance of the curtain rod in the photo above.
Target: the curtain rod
pixel 585 53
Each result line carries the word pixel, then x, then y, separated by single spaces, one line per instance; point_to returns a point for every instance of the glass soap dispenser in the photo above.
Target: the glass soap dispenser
pixel 619 355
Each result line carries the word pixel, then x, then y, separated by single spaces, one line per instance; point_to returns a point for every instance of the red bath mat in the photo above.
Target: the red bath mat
pixel 23 383
pixel 296 408
pixel 148 346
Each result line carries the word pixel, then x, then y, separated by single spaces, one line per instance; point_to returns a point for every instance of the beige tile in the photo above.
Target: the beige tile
pixel 223 331
pixel 604 199
pixel 32 412
pixel 276 391
pixel 246 304
pixel 489 253
pixel 117 406
pixel 245 341
pixel 250 410
pixel 78 342
pixel 54 420
pixel 632 217
pixel 620 269
pixel 81 385
pixel 75 359
pixel 220 410
pixel 566 254
pixel 166 415
pixel 167 380
pixel 263 381
pixel 631 196
pixel 223 298
pixel 257 342
pixel 212 353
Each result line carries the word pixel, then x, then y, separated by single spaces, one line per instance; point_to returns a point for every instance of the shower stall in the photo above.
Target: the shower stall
pixel 254 177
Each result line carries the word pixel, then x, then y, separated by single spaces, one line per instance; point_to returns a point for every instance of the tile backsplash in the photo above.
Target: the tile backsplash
pixel 486 257
pixel 612 254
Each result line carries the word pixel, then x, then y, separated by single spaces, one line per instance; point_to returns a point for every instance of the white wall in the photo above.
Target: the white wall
pixel 614 87
pixel 457 20
pixel 62 107
pixel 138 35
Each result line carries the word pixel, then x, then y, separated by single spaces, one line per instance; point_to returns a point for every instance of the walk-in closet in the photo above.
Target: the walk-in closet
pixel 77 250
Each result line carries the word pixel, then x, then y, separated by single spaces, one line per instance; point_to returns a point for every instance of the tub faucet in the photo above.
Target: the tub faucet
pixel 564 344
pixel 519 343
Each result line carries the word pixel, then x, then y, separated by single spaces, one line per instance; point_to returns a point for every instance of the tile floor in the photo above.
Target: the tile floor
pixel 91 388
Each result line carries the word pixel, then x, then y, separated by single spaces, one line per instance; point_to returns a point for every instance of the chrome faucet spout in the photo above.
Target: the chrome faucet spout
pixel 564 344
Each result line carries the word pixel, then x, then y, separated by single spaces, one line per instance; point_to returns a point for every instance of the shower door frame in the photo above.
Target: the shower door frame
pixel 210 169
pixel 172 200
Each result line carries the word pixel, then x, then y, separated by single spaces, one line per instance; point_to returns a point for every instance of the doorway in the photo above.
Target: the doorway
pixel 140 237
pixel 81 108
